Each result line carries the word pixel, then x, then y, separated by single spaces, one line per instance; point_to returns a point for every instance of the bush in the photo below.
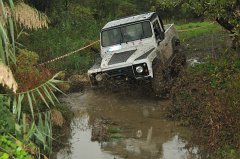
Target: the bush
pixel 27 74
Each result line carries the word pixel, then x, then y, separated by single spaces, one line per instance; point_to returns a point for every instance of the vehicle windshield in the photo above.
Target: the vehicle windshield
pixel 126 34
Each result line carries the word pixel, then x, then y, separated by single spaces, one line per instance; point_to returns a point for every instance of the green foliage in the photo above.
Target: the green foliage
pixel 226 9
pixel 43 133
pixel 27 74
pixel 126 9
pixel 7 41
pixel 26 59
pixel 7 120
pixel 44 93
pixel 34 129
pixel 103 9
pixel 12 148
pixel 175 9
pixel 227 153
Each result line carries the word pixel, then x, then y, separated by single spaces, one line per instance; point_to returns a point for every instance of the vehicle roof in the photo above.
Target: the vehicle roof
pixel 132 19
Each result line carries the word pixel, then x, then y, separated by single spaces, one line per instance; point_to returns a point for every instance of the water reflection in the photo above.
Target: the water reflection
pixel 146 135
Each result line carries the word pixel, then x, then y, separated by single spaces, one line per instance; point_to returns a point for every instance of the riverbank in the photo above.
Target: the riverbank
pixel 206 97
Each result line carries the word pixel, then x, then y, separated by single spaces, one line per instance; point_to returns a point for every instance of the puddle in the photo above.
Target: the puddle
pixel 146 134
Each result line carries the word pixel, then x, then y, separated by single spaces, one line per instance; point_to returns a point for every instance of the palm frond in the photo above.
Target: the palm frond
pixel 45 92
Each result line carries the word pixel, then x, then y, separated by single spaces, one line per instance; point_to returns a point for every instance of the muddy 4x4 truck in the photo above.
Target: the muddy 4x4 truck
pixel 138 48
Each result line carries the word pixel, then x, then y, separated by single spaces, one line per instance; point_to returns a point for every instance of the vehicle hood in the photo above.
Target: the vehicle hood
pixel 125 57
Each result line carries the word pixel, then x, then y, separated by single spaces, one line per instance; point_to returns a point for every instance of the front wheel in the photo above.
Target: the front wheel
pixel 178 64
pixel 161 85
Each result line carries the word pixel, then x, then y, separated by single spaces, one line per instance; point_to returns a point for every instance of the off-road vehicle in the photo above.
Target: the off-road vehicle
pixel 138 48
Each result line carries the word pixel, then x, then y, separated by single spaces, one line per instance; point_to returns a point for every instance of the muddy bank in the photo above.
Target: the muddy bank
pixel 143 132
pixel 205 97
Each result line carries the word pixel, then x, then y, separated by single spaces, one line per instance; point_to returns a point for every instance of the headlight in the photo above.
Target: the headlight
pixel 139 69
pixel 99 77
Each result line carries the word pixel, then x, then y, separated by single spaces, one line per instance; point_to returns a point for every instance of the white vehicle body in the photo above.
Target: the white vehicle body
pixel 134 59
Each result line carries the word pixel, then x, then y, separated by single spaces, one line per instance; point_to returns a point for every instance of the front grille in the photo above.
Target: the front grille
pixel 125 72
pixel 120 57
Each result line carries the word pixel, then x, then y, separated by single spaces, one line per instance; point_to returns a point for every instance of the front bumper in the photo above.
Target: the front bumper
pixel 123 73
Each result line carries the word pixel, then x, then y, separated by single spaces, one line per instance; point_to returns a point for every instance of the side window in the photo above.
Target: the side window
pixel 159 34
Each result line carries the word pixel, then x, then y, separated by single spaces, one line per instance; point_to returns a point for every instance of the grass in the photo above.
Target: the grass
pixel 193 30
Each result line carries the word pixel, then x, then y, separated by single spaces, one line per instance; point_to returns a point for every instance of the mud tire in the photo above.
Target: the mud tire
pixel 160 85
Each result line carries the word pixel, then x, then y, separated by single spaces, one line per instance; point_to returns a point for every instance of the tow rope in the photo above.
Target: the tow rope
pixel 68 54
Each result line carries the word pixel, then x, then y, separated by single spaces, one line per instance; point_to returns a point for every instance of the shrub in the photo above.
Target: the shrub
pixel 12 148
pixel 27 74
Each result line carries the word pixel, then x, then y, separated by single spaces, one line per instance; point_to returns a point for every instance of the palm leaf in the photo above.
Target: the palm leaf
pixel 30 103
pixel 44 91
pixel 19 105
pixel 14 109
pixel 42 97
pixel 11 28
pixel 53 95
pixel 2 54
pixel 33 97
pixel 55 88
pixel 3 9
pixel 48 94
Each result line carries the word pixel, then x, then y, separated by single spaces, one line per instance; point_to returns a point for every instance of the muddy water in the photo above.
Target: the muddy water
pixel 145 134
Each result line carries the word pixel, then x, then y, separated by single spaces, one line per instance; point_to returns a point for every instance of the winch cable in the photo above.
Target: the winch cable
pixel 67 54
